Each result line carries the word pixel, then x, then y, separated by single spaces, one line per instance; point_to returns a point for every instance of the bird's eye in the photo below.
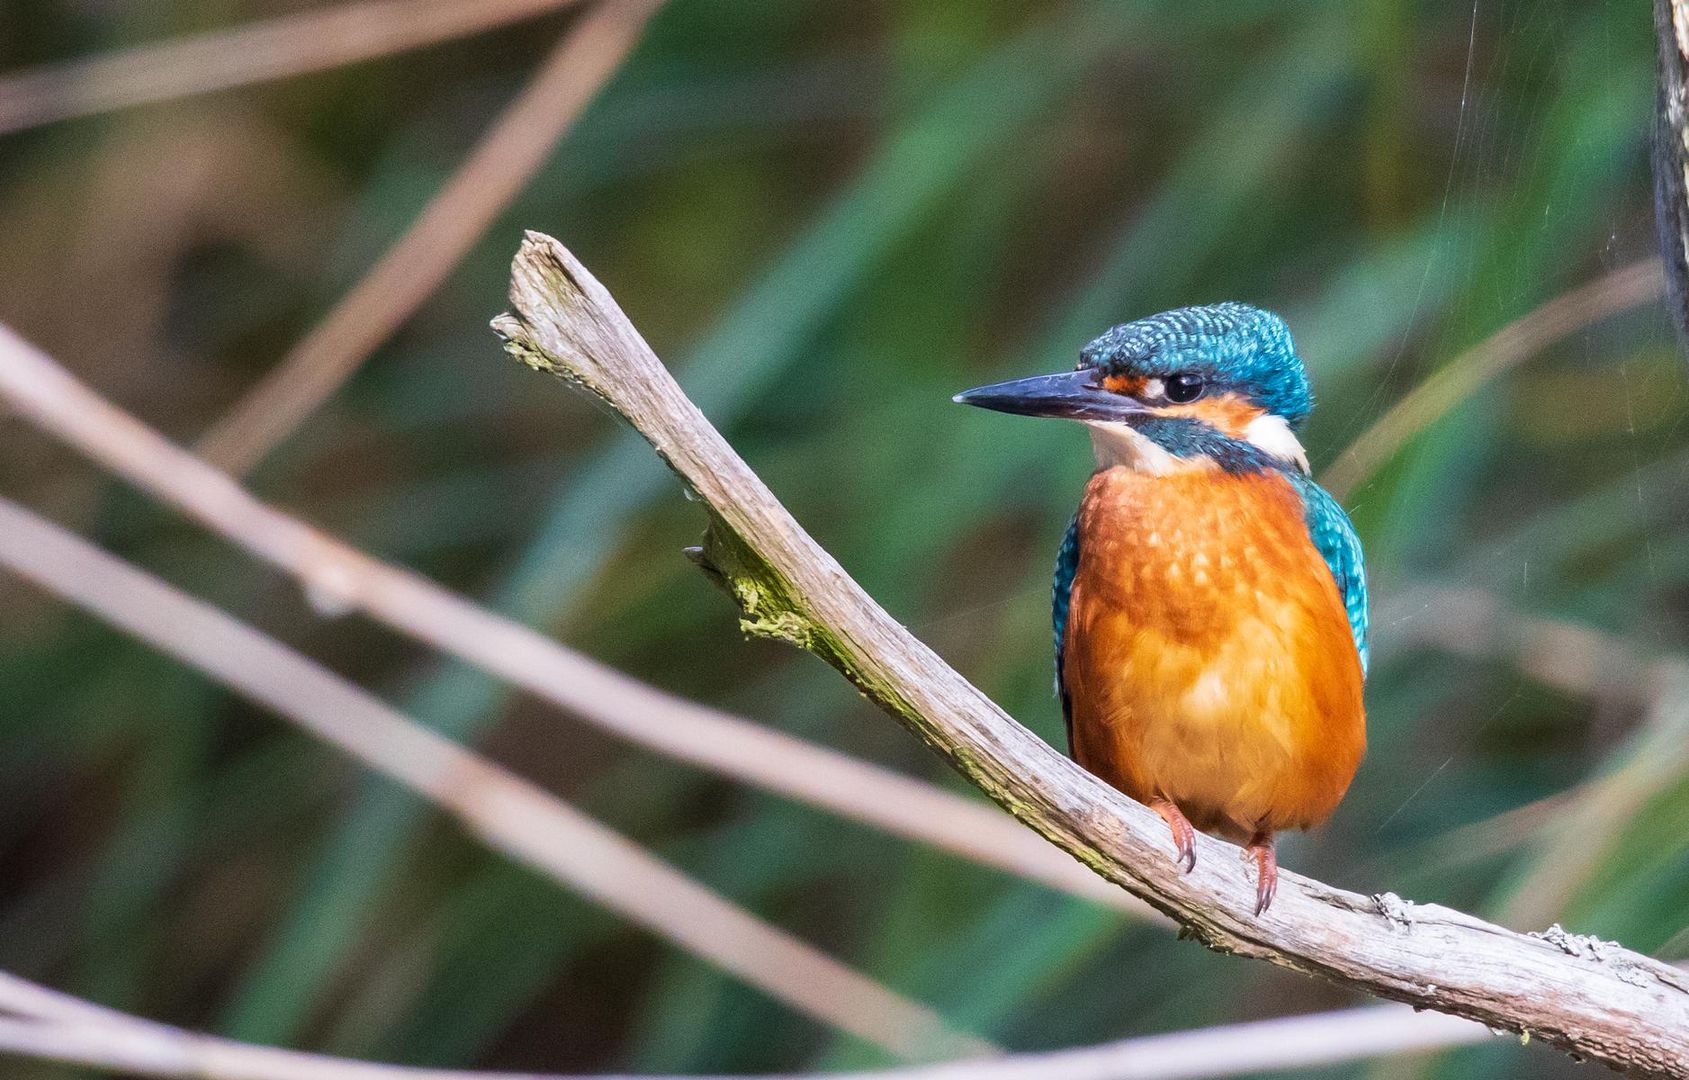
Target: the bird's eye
pixel 1184 388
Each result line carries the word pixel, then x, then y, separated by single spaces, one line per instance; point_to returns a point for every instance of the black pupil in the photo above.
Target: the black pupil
pixel 1183 388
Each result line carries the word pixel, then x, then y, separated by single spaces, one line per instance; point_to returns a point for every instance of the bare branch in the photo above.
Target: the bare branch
pixel 20 997
pixel 502 163
pixel 341 579
pixel 142 1047
pixel 1628 287
pixel 508 814
pixel 257 52
pixel 1592 998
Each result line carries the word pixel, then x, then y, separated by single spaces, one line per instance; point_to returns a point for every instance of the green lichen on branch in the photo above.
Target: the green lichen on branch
pixel 771 608
pixel 768 607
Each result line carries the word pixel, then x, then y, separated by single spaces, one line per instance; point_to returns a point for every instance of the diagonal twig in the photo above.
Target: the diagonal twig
pixel 1591 998
pixel 507 156
pixel 1622 289
pixel 508 814
pixel 1565 855
pixel 1570 656
pixel 342 579
pixel 257 52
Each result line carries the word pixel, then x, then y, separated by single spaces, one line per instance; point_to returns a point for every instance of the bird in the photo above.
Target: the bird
pixel 1210 600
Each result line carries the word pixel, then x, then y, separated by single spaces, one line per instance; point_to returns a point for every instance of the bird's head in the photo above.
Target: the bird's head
pixel 1199 386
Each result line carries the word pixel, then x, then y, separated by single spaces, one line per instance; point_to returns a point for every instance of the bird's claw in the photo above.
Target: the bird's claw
pixel 1262 853
pixel 1184 837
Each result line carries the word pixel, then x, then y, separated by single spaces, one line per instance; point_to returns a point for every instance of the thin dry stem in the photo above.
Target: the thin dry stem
pixel 1567 655
pixel 341 579
pixel 508 155
pixel 1583 831
pixel 1628 287
pixel 142 1047
pixel 508 814
pixel 1592 998
pixel 254 53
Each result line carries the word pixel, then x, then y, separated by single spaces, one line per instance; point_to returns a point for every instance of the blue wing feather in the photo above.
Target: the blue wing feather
pixel 1334 537
pixel 1061 592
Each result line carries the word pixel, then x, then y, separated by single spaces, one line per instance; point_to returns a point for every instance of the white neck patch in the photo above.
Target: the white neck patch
pixel 1273 434
pixel 1118 446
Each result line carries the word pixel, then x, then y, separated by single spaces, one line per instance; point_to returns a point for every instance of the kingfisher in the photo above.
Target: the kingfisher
pixel 1210 602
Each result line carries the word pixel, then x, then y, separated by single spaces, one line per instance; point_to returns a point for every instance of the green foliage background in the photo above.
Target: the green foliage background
pixel 828 218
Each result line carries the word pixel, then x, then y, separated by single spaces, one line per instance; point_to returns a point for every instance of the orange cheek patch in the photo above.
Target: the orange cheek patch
pixel 1228 413
pixel 1124 384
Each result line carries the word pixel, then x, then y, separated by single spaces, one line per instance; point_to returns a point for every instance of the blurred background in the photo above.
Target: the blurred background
pixel 827 218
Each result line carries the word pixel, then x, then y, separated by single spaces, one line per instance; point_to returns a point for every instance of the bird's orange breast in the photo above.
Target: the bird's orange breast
pixel 1208 655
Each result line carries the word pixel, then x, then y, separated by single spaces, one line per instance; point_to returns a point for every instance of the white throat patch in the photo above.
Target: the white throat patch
pixel 1117 445
pixel 1273 434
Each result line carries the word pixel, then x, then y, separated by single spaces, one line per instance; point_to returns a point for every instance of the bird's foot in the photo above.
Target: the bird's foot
pixel 1184 837
pixel 1262 853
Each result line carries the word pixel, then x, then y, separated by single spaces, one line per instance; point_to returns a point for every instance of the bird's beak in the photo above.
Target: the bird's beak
pixel 1069 395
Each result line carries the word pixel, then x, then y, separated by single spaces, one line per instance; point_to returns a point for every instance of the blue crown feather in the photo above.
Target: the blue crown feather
pixel 1233 345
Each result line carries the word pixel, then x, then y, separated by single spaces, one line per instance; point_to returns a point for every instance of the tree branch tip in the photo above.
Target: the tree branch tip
pixel 564 321
pixel 547 269
pixel 535 238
